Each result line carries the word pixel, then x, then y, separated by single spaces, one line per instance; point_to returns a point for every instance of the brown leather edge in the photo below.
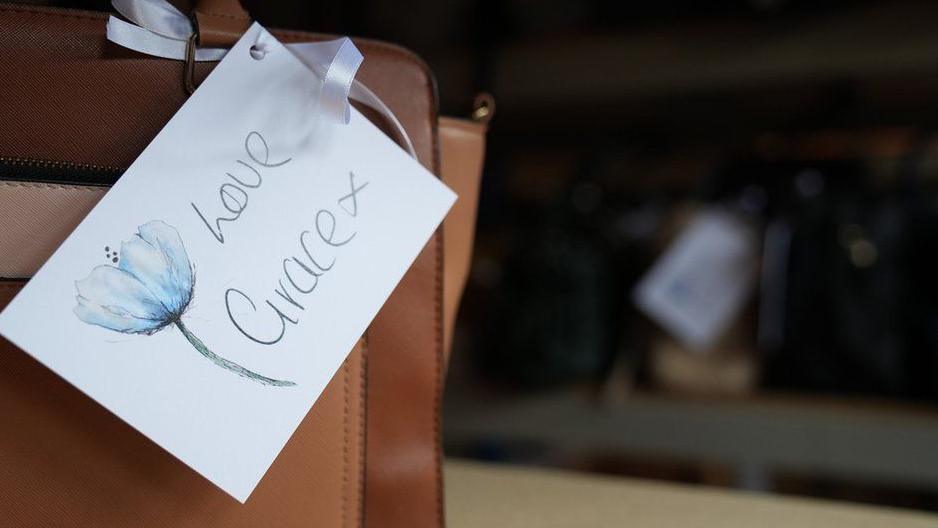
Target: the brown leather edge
pixel 438 358
pixel 462 144
pixel 438 397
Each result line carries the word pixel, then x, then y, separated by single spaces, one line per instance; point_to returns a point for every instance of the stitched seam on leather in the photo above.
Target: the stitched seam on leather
pixel 57 186
pixel 363 431
pixel 438 388
pixel 345 392
pixel 225 15
pixel 85 15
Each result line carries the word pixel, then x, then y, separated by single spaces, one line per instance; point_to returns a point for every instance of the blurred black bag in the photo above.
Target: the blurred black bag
pixel 860 312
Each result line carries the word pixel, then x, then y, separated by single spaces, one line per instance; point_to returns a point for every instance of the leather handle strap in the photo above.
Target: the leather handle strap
pixel 219 23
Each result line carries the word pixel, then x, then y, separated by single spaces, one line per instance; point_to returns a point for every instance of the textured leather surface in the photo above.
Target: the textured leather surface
pixel 462 149
pixel 69 95
pixel 35 218
pixel 67 461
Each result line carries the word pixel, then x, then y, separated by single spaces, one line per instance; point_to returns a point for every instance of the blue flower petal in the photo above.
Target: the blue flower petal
pixel 116 300
pixel 158 259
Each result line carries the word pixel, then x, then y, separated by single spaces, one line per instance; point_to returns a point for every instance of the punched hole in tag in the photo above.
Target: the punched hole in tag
pixel 258 51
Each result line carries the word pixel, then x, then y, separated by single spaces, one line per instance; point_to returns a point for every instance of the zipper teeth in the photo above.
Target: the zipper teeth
pixel 50 164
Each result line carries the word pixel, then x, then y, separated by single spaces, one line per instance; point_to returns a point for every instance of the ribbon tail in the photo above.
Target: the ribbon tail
pixel 363 95
pixel 336 62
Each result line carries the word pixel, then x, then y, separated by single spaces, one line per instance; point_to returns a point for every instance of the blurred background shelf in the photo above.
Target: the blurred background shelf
pixel 846 439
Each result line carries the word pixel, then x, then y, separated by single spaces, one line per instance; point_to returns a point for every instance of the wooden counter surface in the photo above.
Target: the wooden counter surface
pixel 498 496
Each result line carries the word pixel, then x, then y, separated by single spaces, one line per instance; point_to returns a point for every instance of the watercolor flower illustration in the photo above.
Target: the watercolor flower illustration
pixel 150 289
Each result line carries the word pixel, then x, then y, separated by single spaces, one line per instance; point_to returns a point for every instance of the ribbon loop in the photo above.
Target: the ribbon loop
pixel 335 62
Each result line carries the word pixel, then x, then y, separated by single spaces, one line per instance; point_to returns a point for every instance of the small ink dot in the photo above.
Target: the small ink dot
pixel 114 260
pixel 107 248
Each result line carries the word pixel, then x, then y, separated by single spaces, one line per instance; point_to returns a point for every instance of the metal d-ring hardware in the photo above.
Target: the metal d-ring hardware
pixel 483 107
pixel 188 74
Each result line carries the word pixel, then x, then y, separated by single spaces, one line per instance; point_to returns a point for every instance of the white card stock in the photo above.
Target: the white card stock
pixel 215 290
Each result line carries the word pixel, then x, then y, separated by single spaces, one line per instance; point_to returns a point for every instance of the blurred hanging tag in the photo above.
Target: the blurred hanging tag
pixel 697 287
pixel 217 287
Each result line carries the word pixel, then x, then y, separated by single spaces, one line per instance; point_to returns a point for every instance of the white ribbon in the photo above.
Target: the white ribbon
pixel 161 30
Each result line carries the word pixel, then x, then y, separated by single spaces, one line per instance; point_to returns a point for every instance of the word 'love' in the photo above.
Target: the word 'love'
pixel 234 196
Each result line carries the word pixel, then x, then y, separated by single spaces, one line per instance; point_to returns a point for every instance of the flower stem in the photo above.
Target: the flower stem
pixel 230 365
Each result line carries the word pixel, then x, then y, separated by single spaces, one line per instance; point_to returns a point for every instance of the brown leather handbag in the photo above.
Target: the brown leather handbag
pixel 367 454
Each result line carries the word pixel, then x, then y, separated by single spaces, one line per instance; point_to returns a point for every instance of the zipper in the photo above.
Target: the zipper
pixel 49 171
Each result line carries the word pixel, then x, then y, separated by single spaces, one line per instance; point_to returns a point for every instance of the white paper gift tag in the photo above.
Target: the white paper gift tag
pixel 215 290
pixel 699 284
